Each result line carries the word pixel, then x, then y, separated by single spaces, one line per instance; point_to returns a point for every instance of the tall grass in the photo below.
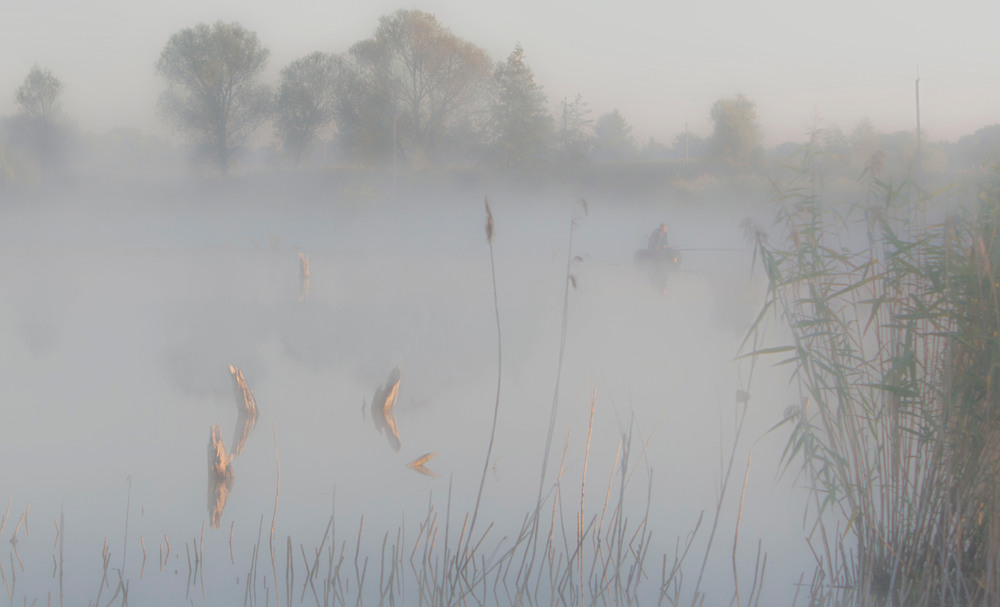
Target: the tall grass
pixel 892 324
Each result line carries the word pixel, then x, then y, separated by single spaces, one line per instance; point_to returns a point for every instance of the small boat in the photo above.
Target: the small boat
pixel 662 258
pixel 658 263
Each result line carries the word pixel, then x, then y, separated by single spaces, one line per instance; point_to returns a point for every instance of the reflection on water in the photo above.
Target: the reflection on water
pixel 220 467
pixel 247 407
pixel 220 476
pixel 658 263
pixel 382 404
pixel 418 464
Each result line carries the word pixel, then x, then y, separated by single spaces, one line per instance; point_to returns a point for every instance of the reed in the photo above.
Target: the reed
pixel 490 232
pixel 893 347
pixel 303 277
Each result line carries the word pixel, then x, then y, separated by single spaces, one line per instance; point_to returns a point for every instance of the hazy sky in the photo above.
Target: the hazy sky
pixel 662 64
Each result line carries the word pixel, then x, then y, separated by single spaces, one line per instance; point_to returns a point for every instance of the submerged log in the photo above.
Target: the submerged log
pixel 381 409
pixel 220 476
pixel 247 407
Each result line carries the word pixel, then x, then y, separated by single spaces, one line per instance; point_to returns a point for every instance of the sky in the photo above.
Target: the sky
pixel 661 64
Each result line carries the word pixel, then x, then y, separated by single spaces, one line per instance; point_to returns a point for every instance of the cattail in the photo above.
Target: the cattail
pixel 489 222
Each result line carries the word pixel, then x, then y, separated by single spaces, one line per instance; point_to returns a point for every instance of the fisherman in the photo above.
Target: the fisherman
pixel 658 239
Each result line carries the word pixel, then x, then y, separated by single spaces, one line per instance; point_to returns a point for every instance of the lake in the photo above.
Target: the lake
pixel 121 314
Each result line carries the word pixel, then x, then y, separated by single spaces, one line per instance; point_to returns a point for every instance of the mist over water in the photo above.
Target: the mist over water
pixel 121 312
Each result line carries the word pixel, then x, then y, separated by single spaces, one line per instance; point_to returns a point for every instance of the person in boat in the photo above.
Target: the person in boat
pixel 658 239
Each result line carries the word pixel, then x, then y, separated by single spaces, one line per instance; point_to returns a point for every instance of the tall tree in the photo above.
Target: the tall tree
pixel 305 102
pixel 613 136
pixel 214 92
pixel 687 145
pixel 520 123
pixel 737 138
pixel 36 126
pixel 424 77
pixel 866 145
pixel 38 95
pixel 576 136
pixel 365 114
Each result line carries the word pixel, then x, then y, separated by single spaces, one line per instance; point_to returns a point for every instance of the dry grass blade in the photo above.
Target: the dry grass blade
pixel 303 276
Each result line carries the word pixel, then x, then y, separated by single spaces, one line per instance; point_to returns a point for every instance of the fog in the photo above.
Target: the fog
pixel 139 288
pixel 121 315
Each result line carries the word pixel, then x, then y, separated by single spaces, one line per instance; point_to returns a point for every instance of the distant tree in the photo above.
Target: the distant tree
pixel 306 102
pixel 38 95
pixel 576 136
pixel 214 92
pixel 737 138
pixel 7 175
pixel 901 157
pixel 365 109
pixel 978 149
pixel 785 152
pixel 835 148
pixel 35 128
pixel 866 146
pixel 653 150
pixel 414 86
pixel 520 123
pixel 689 146
pixel 834 141
pixel 613 136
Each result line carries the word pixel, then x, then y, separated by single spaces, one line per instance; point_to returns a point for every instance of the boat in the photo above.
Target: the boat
pixel 659 259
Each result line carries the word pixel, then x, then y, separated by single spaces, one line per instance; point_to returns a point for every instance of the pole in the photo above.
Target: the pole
pixel 395 119
pixel 919 156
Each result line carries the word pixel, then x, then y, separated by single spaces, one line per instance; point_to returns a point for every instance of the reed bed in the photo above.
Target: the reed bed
pixel 893 324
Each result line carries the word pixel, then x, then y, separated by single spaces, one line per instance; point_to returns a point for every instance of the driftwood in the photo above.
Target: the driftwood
pixel 247 407
pixel 381 409
pixel 220 476
pixel 418 464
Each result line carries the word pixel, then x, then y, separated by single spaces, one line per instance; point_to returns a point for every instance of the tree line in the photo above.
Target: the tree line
pixel 413 94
